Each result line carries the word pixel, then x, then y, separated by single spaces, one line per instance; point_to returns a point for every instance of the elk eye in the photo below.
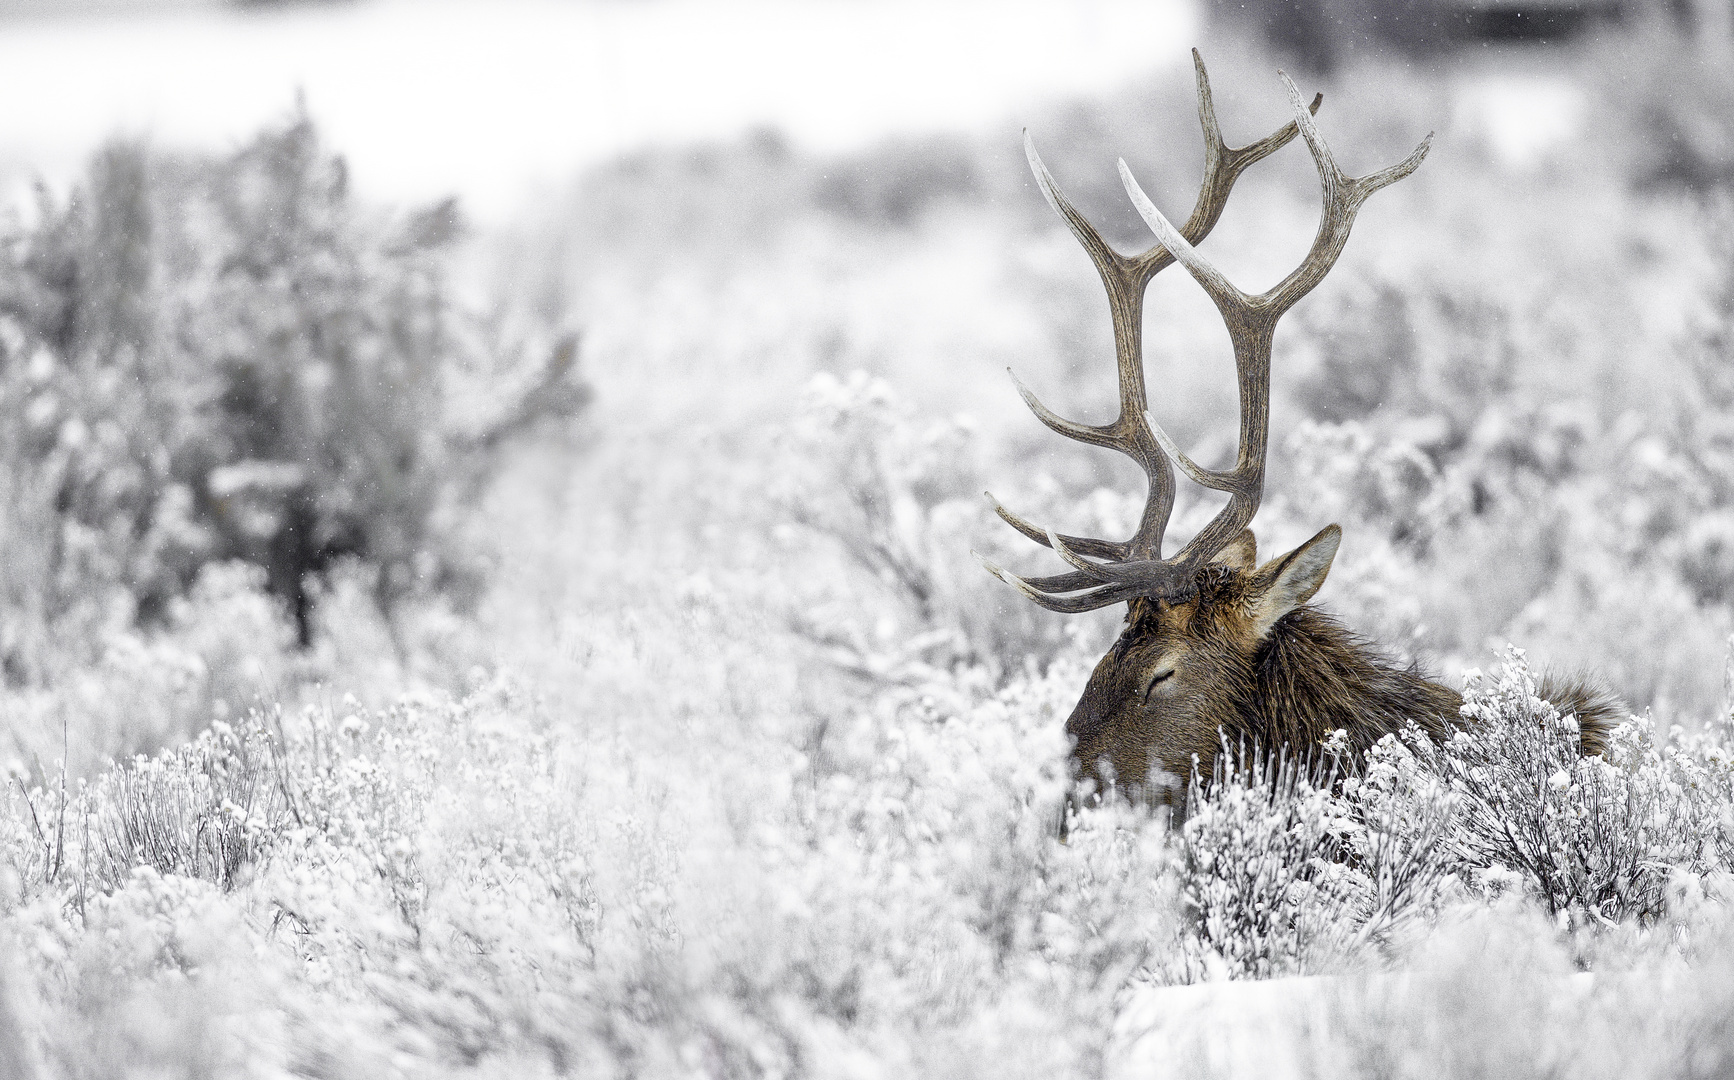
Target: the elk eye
pixel 1157 679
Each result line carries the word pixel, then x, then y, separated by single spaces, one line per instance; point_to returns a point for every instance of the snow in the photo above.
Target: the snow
pixel 1229 1029
pixel 487 100
pixel 1525 115
pixel 1278 1029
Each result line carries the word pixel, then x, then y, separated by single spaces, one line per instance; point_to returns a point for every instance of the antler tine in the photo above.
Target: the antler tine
pixel 1048 586
pixel 1108 437
pixel 1220 288
pixel 1098 549
pixel 1101 253
pixel 1197 474
pixel 1252 320
pixel 1250 336
pixel 1102 574
pixel 1067 605
pixel 1343 196
pixel 1223 163
pixel 1125 279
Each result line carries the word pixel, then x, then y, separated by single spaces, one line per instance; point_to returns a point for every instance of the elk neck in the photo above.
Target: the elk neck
pixel 1312 676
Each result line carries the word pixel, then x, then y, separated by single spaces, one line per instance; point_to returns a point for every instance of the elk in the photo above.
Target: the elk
pixel 1216 646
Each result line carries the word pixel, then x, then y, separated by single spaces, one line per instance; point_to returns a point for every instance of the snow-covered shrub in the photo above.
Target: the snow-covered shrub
pixel 166 973
pixel 1262 875
pixel 899 496
pixel 206 359
pixel 209 809
pixel 1487 991
pixel 1597 837
pixel 1398 837
pixel 1286 867
pixel 1289 864
pixel 871 477
pixel 243 639
pixel 220 650
pixel 1588 834
pixel 220 360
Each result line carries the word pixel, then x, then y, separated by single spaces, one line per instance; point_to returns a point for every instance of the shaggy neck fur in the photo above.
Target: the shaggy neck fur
pixel 1311 676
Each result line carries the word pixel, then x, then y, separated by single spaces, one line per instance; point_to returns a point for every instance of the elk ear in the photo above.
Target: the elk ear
pixel 1241 552
pixel 1289 581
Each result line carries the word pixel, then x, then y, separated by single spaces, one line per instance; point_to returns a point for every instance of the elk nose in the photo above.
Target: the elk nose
pixel 1086 720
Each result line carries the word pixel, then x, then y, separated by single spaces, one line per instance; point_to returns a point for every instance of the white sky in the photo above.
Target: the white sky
pixel 488 98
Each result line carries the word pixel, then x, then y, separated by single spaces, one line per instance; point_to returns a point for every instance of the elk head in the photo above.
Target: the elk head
pixel 1199 622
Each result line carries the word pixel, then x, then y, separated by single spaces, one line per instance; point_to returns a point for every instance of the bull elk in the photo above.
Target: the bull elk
pixel 1215 645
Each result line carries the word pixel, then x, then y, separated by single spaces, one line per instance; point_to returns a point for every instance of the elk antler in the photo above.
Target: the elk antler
pixel 1135 567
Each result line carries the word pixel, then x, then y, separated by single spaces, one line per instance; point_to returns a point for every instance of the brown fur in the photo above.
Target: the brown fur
pixel 1290 685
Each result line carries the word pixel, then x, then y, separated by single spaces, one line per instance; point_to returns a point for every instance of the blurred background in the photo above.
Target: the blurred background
pixel 373 346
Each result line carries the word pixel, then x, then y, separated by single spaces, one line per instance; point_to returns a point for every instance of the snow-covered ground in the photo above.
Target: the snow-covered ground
pixel 1289 1028
pixel 432 97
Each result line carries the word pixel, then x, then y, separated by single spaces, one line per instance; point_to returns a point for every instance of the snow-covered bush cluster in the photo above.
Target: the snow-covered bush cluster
pixel 461 883
pixel 1292 864
pixel 709 751
pixel 206 361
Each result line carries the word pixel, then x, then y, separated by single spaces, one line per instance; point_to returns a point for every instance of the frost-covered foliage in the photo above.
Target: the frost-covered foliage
pixel 479 886
pixel 1508 801
pixel 211 361
pixel 1296 864
pixel 205 360
pixel 457 884
pixel 1599 837
pixel 208 809
pixel 1264 876
pixel 737 765
pixel 898 496
pixel 1289 867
